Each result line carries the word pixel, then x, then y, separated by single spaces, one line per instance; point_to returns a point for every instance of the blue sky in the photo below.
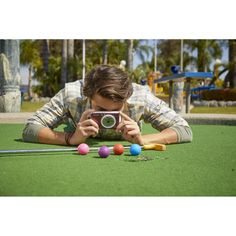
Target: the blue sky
pixel 137 61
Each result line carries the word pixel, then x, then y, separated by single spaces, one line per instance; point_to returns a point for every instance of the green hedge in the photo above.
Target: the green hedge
pixel 219 95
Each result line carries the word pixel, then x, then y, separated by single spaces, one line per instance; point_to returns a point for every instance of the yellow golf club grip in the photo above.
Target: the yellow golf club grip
pixel 157 147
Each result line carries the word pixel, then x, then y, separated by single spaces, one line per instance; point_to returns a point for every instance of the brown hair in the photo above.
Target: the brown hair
pixel 108 81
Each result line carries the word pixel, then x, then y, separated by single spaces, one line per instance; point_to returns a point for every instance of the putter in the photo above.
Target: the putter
pixel 157 147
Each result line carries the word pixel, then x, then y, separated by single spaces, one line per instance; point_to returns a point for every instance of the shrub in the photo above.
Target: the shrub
pixel 219 95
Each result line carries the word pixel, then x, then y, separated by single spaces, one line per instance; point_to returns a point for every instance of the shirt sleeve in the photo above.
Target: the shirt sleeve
pixel 184 133
pixel 50 115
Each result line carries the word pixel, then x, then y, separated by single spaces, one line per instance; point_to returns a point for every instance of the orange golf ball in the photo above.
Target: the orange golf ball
pixel 118 149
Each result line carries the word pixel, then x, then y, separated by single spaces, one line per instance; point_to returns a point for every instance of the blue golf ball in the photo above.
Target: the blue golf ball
pixel 135 149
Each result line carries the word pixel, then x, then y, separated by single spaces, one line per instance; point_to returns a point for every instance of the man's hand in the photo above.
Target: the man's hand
pixel 85 128
pixel 129 129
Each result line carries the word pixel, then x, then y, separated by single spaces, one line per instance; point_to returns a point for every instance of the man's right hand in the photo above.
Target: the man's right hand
pixel 86 127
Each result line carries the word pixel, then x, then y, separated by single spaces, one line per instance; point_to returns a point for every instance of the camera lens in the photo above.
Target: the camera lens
pixel 108 121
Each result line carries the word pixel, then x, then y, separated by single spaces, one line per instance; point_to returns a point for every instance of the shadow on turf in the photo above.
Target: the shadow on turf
pixel 19 140
pixel 90 142
pixel 130 158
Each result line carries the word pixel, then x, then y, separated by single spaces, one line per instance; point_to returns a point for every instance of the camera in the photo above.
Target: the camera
pixel 106 119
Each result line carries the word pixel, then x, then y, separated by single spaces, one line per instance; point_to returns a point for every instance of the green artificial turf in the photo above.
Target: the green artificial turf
pixel 28 106
pixel 214 110
pixel 205 167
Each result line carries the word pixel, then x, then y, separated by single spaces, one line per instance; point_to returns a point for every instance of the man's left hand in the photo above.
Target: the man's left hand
pixel 129 129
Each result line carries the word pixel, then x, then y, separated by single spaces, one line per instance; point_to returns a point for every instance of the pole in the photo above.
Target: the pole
pixel 182 55
pixel 188 95
pixel 155 55
pixel 171 94
pixel 179 85
pixel 64 63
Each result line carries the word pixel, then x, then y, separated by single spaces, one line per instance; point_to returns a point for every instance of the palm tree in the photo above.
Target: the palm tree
pixel 45 53
pixel 117 51
pixel 30 55
pixel 207 51
pixel 142 50
pixel 130 54
pixel 168 54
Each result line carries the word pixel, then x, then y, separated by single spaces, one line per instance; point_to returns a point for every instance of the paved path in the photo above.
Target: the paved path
pixel 210 119
pixel 20 117
pixel 223 119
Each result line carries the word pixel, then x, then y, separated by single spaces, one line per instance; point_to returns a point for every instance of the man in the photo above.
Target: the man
pixel 106 88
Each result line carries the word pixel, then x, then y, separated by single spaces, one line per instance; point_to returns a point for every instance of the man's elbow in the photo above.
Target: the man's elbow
pixel 30 133
pixel 184 133
pixel 188 135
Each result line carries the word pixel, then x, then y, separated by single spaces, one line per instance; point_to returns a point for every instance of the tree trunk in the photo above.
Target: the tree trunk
pixel 70 48
pixel 104 52
pixel 30 82
pixel 130 55
pixel 70 57
pixel 83 58
pixel 232 61
pixel 45 53
pixel 201 60
pixel 64 64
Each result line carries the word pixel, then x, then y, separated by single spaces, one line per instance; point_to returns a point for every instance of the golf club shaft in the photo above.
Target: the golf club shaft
pixel 45 150
pixel 38 150
pixel 158 147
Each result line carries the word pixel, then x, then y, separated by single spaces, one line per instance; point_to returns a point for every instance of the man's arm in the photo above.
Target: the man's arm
pixel 49 136
pixel 40 134
pixel 85 128
pixel 173 128
pixel 166 136
pixel 178 134
pixel 131 133
pixel 39 127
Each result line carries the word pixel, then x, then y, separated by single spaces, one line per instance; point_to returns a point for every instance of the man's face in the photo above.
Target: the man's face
pixel 100 103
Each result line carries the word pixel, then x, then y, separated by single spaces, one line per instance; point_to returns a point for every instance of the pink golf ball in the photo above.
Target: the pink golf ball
pixel 104 151
pixel 83 149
